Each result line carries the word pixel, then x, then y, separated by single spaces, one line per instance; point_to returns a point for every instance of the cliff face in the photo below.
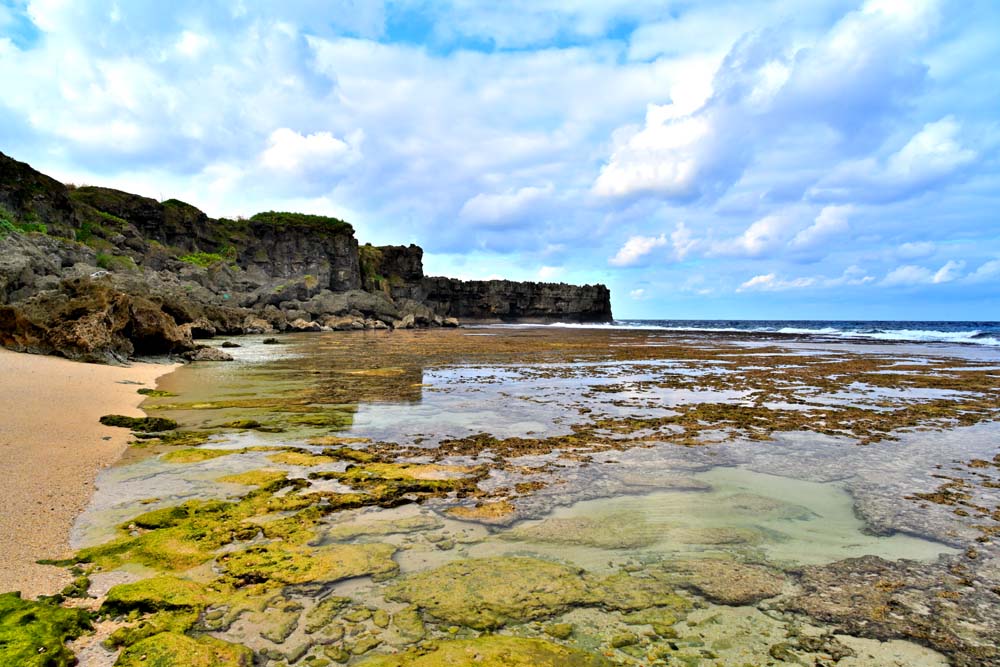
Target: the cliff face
pixel 268 245
pixel 507 301
pixel 99 274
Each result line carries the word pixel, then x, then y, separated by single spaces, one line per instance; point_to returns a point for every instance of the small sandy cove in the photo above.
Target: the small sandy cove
pixel 51 448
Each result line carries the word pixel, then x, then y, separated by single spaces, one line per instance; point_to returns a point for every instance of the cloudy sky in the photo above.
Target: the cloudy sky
pixel 729 159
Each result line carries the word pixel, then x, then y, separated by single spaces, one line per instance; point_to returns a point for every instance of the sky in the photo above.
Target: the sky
pixel 744 159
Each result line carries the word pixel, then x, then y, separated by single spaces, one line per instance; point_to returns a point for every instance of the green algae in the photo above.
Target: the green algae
pixel 491 651
pixel 140 424
pixel 370 528
pixel 172 649
pixel 489 593
pixel 33 633
pixel 324 613
pixel 621 530
pixel 196 455
pixel 160 593
pixel 254 477
pixel 284 564
pixel 155 393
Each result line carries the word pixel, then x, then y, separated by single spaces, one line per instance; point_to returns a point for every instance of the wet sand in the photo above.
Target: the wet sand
pixel 51 447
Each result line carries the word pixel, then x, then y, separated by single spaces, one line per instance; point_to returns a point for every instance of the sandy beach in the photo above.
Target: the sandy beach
pixel 52 447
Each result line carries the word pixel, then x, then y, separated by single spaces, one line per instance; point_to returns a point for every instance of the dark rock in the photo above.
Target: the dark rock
pixel 140 424
pixel 507 301
pixel 207 354
pixel 90 321
pixel 230 344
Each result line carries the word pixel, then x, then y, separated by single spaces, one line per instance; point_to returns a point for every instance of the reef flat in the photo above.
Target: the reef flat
pixel 545 496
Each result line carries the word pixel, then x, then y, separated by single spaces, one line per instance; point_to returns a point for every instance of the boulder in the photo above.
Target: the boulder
pixel 88 320
pixel 205 353
pixel 304 325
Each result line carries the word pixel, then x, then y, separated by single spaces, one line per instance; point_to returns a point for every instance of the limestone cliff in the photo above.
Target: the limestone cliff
pixel 85 270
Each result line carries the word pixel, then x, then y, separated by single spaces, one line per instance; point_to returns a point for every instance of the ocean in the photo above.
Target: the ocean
pixel 975 333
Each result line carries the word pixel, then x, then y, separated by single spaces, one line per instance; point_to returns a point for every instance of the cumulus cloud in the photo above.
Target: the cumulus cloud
pixel 831 222
pixel 908 274
pixel 769 282
pixel 549 272
pixel 987 271
pixel 498 210
pixel 763 236
pixel 930 157
pixel 848 78
pixel 636 248
pixel 289 151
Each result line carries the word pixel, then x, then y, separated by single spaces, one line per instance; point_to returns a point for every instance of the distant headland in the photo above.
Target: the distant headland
pixel 97 274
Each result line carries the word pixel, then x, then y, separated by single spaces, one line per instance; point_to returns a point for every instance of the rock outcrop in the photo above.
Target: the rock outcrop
pixel 508 301
pixel 99 274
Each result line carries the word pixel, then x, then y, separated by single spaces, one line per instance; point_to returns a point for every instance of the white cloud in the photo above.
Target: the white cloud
pixel 191 44
pixel 290 151
pixel 829 224
pixel 763 236
pixel 549 272
pixel 503 209
pixel 637 247
pixel 987 271
pixel 909 274
pixel 949 272
pixel 852 275
pixel 915 249
pixel 769 282
pixel 930 157
pixel 683 241
pixel 638 294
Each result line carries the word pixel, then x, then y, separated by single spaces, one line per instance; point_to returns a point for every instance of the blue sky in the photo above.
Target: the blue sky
pixel 745 159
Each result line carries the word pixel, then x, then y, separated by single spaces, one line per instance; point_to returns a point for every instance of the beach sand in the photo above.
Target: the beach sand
pixel 51 448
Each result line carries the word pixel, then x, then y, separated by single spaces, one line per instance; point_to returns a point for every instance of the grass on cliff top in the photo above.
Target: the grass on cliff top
pixel 286 219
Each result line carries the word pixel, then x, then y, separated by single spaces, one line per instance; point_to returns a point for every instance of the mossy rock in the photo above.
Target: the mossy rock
pixel 34 633
pixel 140 424
pixel 491 651
pixel 196 455
pixel 254 477
pixel 284 564
pixel 624 530
pixel 155 393
pixel 156 594
pixel 489 593
pixel 172 649
pixel 408 524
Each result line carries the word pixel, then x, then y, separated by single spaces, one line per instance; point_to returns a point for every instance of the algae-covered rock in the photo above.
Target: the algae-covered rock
pixel 408 524
pixel 140 424
pixel 34 633
pixel 491 592
pixel 171 649
pixel 156 594
pixel 725 581
pixel 559 630
pixel 623 530
pixel 196 455
pixel 495 512
pixel 491 651
pixel 254 477
pixel 285 564
pixel 409 624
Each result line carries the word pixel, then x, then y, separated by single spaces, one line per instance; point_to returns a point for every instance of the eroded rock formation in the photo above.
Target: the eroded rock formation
pixel 99 274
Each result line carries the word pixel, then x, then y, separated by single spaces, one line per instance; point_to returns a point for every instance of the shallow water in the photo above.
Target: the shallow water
pixel 614 452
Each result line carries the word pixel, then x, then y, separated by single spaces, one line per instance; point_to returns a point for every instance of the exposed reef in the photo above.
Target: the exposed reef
pixel 102 275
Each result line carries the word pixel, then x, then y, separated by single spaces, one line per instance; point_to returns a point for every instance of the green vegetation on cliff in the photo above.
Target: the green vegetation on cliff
pixel 286 219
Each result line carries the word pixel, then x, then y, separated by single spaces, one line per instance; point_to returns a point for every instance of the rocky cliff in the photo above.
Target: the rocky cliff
pixel 99 274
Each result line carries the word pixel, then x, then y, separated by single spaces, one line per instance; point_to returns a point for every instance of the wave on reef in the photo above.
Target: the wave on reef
pixel 976 333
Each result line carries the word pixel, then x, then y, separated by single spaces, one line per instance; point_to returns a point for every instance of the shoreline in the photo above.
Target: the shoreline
pixel 52 447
